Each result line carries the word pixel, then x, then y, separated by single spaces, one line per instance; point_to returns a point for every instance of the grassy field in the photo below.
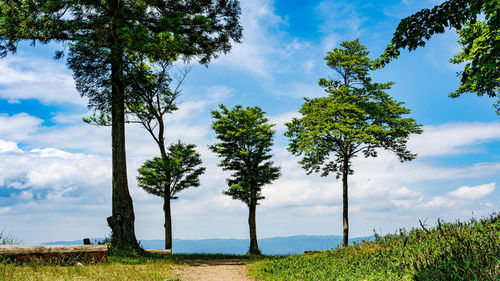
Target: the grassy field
pixel 449 251
pixel 118 267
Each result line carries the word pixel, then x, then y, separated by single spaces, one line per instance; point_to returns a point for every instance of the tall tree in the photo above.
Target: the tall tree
pixel 102 36
pixel 245 144
pixel 480 41
pixel 166 176
pixel 357 117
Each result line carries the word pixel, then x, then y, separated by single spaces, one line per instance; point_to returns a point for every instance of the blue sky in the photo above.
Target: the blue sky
pixel 55 170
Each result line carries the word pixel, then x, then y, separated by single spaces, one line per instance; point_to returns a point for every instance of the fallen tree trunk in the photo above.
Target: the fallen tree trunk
pixel 28 253
pixel 162 252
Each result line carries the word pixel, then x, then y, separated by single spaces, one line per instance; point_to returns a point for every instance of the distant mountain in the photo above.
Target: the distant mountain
pixel 269 246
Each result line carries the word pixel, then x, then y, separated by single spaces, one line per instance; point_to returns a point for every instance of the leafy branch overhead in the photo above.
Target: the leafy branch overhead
pixel 479 38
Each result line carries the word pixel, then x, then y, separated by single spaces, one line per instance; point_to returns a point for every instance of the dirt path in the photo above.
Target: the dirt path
pixel 215 270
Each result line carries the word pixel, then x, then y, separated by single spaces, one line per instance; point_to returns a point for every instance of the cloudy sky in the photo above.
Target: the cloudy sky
pixel 55 170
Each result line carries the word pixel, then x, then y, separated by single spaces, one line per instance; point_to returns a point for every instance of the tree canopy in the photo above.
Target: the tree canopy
pixel 179 170
pixel 246 139
pixel 357 116
pixel 479 38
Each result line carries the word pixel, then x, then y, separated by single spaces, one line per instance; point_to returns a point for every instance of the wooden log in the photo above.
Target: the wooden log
pixel 162 252
pixel 28 253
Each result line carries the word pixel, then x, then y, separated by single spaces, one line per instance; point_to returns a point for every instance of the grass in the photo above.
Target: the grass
pixel 112 270
pixel 120 266
pixel 7 239
pixel 448 251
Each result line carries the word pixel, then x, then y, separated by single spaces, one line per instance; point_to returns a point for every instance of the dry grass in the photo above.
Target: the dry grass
pixel 155 270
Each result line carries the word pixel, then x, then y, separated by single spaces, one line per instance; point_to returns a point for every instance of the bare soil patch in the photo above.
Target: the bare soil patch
pixel 214 270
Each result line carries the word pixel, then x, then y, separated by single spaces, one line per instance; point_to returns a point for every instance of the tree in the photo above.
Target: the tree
pixel 155 99
pixel 103 36
pixel 357 117
pixel 245 144
pixel 480 41
pixel 168 175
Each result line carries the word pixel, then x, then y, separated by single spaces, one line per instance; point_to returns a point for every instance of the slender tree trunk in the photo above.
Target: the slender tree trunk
pixel 122 219
pixel 345 173
pixel 166 197
pixel 254 246
pixel 168 222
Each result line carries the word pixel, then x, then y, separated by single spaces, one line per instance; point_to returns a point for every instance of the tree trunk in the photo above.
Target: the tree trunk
pixel 168 223
pixel 166 191
pixel 254 246
pixel 122 219
pixel 345 173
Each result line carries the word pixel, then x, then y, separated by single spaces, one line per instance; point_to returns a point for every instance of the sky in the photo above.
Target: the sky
pixel 55 170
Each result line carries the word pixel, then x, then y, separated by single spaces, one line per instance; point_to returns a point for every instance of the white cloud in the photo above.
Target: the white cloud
pixel 404 197
pixel 473 192
pixel 24 77
pixel 280 120
pixel 9 146
pixel 440 202
pixel 454 138
pixel 19 126
pixel 461 196
pixel 52 168
pixel 218 93
pixel 259 43
pixel 267 49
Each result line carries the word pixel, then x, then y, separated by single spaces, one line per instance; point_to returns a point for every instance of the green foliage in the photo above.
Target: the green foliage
pixel 153 96
pixel 245 144
pixel 356 117
pixel 161 30
pixel 165 177
pixel 480 52
pixel 480 41
pixel 449 251
pixel 149 95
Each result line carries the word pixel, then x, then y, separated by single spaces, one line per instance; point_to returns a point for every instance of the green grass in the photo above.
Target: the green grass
pixel 449 251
